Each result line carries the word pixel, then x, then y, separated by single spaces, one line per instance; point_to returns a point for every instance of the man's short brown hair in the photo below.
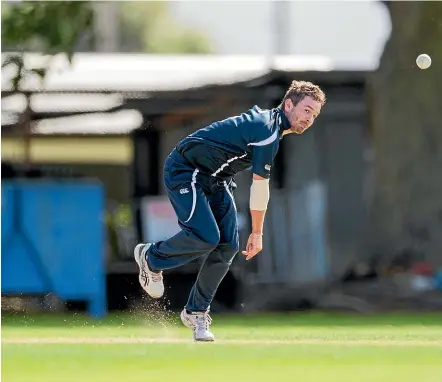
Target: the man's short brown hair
pixel 300 89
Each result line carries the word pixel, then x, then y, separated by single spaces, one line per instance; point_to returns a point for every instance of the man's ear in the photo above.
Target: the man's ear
pixel 288 105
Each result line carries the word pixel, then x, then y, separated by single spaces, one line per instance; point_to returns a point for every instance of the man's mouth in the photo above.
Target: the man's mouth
pixel 300 128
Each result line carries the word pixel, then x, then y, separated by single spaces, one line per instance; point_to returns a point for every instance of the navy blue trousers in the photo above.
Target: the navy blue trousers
pixel 206 213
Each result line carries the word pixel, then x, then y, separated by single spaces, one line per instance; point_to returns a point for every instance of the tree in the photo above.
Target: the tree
pixel 407 133
pixel 148 27
pixel 50 28
pixel 43 27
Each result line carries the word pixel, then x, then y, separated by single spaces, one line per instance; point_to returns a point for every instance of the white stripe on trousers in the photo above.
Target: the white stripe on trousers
pixel 230 194
pixel 192 184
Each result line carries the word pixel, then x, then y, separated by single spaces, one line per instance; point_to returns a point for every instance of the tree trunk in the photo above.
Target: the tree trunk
pixel 407 135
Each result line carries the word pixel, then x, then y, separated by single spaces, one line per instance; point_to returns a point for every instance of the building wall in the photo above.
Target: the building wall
pixel 70 149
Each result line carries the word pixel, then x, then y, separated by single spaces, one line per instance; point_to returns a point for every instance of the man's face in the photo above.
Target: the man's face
pixel 301 116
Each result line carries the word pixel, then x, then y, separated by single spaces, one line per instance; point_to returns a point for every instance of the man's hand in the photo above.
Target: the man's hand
pixel 254 245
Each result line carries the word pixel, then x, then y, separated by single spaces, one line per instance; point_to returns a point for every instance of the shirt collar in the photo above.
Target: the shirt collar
pixel 282 120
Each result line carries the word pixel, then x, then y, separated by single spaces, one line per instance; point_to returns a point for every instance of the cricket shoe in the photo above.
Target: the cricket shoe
pixel 150 281
pixel 199 322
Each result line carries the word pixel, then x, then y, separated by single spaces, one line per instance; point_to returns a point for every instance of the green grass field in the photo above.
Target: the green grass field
pixel 290 347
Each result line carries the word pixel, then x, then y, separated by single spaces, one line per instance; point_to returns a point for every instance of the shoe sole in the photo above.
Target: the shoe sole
pixel 204 340
pixel 137 255
pixel 185 321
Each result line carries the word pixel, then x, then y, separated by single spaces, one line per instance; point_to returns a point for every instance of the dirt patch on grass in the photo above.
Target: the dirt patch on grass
pixel 133 340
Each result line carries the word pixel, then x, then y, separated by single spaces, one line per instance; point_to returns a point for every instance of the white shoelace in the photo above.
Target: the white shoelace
pixel 203 321
pixel 156 276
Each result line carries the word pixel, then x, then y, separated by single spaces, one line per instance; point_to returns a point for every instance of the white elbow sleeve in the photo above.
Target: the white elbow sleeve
pixel 259 194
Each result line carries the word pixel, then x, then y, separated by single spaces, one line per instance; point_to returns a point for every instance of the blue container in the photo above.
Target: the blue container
pixel 53 240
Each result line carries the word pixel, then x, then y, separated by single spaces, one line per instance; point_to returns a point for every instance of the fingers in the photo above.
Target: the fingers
pixel 250 256
pixel 252 248
pixel 249 248
pixel 250 253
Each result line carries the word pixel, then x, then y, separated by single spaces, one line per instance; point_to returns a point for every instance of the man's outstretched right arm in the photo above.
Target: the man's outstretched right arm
pixel 263 156
pixel 259 198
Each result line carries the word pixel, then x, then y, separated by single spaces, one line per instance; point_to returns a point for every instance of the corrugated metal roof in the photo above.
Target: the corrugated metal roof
pixel 119 122
pixel 146 72
pixel 62 102
pixel 126 73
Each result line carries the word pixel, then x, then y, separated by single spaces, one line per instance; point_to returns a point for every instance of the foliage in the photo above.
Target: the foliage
pixel 147 26
pixel 41 26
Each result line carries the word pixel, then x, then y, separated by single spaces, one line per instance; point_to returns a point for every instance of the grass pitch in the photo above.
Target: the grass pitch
pixel 156 347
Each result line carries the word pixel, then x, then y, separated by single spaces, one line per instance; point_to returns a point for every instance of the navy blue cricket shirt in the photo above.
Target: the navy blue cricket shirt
pixel 227 147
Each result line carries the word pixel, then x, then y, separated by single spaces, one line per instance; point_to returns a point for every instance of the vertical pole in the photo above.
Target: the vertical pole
pixel 107 26
pixel 27 134
pixel 280 28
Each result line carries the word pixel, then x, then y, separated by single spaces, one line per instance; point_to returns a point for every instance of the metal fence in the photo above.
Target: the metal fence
pixel 295 238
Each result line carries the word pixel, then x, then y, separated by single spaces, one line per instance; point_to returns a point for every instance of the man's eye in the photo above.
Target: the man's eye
pixel 307 110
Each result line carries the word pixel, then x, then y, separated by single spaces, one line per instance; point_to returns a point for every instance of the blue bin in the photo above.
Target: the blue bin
pixel 53 240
